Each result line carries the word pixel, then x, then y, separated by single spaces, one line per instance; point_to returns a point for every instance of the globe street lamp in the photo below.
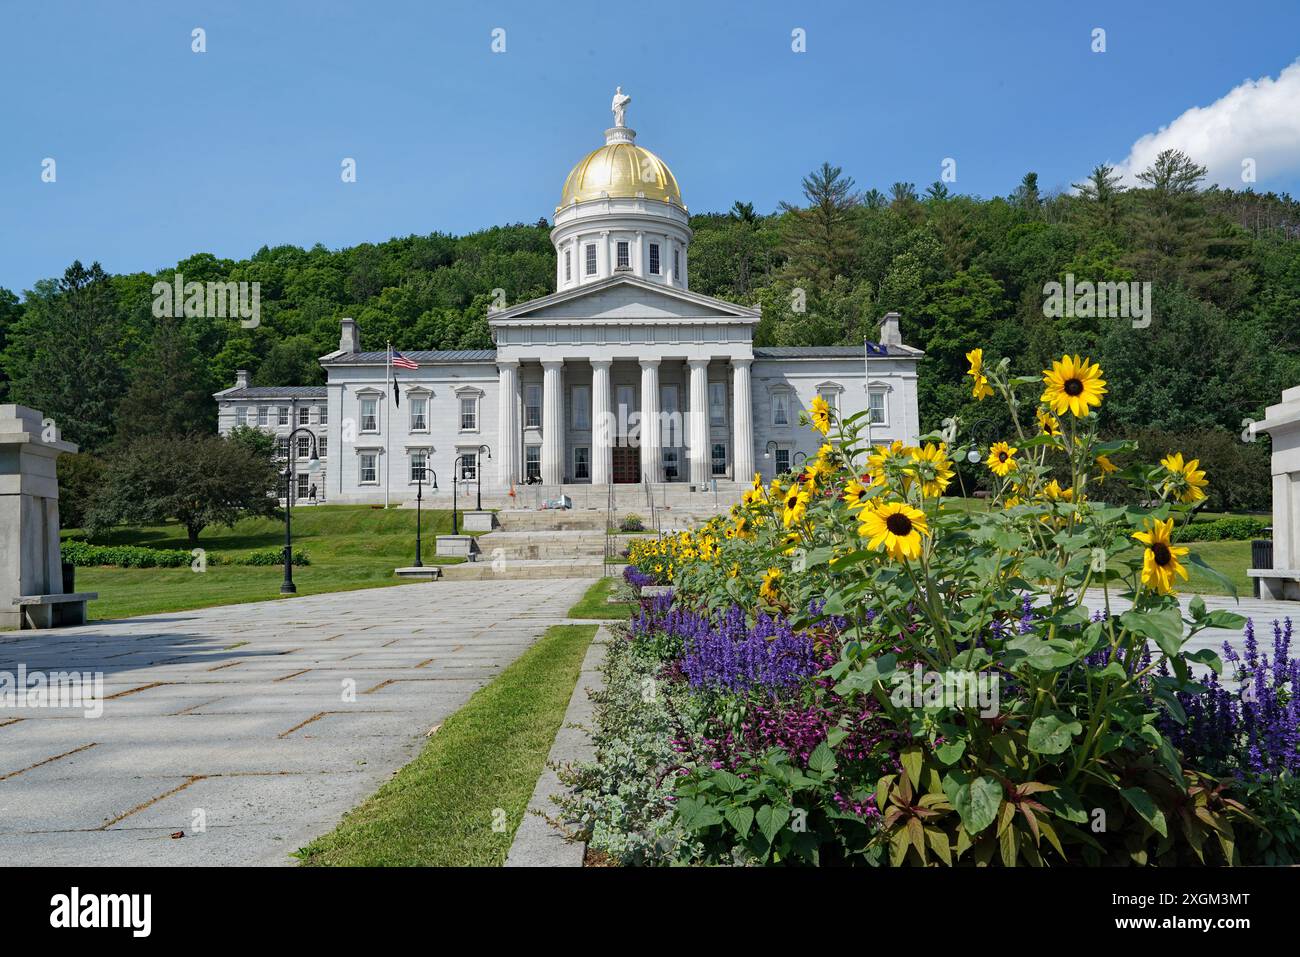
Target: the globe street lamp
pixel 478 475
pixel 287 587
pixel 419 497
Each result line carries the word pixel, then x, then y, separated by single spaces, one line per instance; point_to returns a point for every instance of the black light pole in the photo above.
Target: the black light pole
pixel 419 497
pixel 767 453
pixel 795 458
pixel 287 587
pixel 455 471
pixel 478 476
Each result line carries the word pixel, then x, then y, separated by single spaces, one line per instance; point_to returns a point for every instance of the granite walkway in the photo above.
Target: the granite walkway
pixel 251 728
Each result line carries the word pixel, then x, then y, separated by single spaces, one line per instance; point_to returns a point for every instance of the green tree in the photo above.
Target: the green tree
pixel 169 391
pixel 819 240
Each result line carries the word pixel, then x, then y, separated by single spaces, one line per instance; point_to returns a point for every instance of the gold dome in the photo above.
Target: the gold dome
pixel 623 171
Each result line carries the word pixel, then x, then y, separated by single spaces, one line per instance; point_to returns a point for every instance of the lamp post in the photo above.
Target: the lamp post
pixel 419 498
pixel 795 458
pixel 287 587
pixel 478 477
pixel 768 449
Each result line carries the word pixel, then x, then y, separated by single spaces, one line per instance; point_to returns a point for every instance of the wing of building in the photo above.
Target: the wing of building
pixel 623 375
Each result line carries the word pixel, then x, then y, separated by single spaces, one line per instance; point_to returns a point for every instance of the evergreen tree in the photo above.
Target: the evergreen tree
pixel 169 392
pixel 820 239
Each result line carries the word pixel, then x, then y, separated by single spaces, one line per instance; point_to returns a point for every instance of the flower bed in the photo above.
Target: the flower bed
pixel 851 670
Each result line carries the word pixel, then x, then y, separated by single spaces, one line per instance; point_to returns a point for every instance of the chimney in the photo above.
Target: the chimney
pixel 889 334
pixel 241 379
pixel 348 336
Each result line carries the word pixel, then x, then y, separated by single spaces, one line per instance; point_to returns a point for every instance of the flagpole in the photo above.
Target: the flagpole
pixel 866 385
pixel 388 418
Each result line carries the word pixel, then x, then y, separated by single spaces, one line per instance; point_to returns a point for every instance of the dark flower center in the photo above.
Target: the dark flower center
pixel 1073 386
pixel 1160 551
pixel 899 524
pixel 1002 456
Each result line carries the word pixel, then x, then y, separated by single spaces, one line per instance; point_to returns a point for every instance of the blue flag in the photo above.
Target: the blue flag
pixel 876 349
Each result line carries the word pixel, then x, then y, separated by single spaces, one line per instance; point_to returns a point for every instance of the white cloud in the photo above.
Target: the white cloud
pixel 1259 120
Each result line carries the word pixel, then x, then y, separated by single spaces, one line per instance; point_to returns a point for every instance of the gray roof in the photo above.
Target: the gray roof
pixel 276 392
pixel 420 356
pixel 824 352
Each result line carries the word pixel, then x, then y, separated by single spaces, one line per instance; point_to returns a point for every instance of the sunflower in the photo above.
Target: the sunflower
pixel 932 468
pixel 1186 482
pixel 1106 465
pixel 1072 385
pixel 976 359
pixel 1053 492
pixel 981 389
pixel 895 526
pixel 1002 458
pixel 1160 561
pixel 896 452
pixel 853 494
pixel 768 590
pixel 1048 423
pixel 821 415
pixel 795 505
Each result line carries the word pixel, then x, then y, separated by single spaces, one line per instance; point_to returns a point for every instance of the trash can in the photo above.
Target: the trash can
pixel 69 578
pixel 1261 556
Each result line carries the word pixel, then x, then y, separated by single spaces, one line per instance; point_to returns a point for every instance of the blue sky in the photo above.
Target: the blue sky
pixel 162 152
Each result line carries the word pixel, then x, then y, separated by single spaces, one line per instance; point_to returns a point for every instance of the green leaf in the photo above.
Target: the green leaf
pixel 740 819
pixel 728 781
pixel 770 821
pixel 1218 576
pixel 951 750
pixel 822 759
pixel 1164 627
pixel 696 815
pixel 1051 735
pixel 1207 656
pixel 1225 619
pixel 977 802
pixel 1141 802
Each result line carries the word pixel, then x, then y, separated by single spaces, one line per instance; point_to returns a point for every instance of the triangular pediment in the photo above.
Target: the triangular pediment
pixel 624 299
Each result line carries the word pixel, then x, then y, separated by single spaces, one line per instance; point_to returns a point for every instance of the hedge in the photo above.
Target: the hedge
pixel 84 554
pixel 1221 530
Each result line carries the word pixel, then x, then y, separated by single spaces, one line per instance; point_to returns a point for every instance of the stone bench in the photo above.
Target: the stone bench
pixel 1277 584
pixel 53 611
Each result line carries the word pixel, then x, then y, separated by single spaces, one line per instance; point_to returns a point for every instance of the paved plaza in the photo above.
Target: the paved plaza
pixel 266 721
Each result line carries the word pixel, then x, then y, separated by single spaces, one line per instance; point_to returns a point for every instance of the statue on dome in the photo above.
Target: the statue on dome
pixel 619 106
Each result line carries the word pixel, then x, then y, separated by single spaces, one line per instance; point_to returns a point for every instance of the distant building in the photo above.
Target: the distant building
pixel 560 399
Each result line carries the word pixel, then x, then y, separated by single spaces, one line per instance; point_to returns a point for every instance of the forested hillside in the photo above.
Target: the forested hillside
pixel 1223 341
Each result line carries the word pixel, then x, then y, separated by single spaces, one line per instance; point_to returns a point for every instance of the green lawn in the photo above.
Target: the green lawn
pixel 440 810
pixel 350 546
pixel 594 604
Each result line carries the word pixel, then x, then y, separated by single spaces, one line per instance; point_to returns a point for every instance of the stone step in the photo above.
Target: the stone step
pixel 525 569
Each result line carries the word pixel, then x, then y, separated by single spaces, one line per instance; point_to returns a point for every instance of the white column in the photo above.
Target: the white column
pixel 507 450
pixel 743 417
pixel 602 424
pixel 698 416
pixel 651 437
pixel 552 423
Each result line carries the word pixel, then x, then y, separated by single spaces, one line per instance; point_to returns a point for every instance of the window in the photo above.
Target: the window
pixel 568 264
pixel 283 415
pixel 780 408
pixel 369 473
pixel 626 406
pixel 419 414
pixel 419 462
pixel 304 485
pixel 304 415
pixel 321 443
pixel 654 259
pixel 323 414
pixel 669 410
pixel 533 407
pixel 532 462
pixel 717 403
pixel 581 463
pixel 304 446
pixel 282 447
pixel 591 259
pixel 782 460
pixel 469 414
pixel 719 458
pixel 677 270
pixel 369 414
pixel 876 402
pixel 263 414
pixel 581 408
pixel 623 253
pixel 469 466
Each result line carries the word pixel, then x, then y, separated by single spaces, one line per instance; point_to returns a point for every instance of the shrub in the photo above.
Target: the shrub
pixel 631 523
pixel 83 554
pixel 1221 530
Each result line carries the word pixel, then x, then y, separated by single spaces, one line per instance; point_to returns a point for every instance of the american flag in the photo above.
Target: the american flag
pixel 401 362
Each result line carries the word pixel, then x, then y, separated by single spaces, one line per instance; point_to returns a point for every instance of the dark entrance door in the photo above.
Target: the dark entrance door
pixel 627 465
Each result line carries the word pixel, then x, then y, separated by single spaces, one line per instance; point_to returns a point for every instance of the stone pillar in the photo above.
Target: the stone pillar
pixel 508 439
pixel 743 417
pixel 698 417
pixel 552 423
pixel 651 436
pixel 30 563
pixel 602 424
pixel 1282 423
